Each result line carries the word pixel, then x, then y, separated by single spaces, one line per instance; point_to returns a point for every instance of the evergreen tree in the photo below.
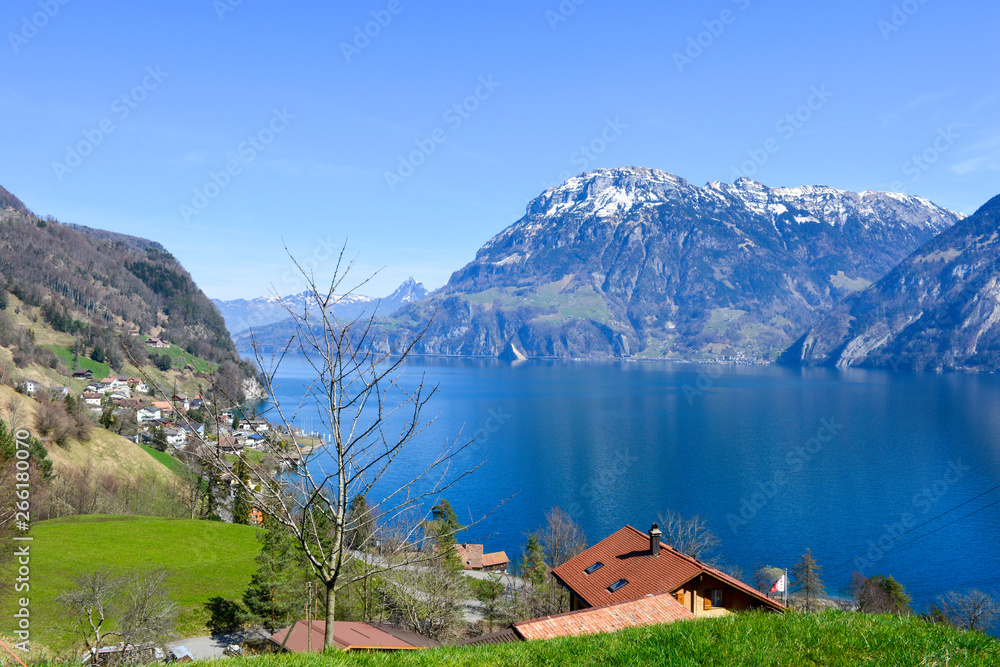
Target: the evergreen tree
pixel 360 523
pixel 159 439
pixel 532 564
pixel 808 583
pixel 274 596
pixel 442 528
pixel 243 503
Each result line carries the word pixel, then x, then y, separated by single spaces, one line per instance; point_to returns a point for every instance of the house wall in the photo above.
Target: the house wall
pixel 696 593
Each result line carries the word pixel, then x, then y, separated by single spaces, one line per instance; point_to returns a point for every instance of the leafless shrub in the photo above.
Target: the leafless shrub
pixel 691 537
pixel 974 610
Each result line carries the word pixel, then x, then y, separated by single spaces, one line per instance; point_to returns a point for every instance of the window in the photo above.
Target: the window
pixel 594 568
pixel 617 585
pixel 714 598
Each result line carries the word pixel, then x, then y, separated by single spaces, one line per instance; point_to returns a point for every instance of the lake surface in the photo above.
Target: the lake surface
pixel 886 473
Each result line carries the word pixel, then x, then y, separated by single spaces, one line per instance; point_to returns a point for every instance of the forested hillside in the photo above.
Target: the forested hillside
pixel 99 287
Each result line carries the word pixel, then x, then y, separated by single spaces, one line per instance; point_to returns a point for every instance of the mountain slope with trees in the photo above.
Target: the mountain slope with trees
pixel 639 262
pixel 100 287
pixel 938 309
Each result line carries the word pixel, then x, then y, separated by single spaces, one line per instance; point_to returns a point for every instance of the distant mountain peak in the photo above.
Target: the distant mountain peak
pixel 410 290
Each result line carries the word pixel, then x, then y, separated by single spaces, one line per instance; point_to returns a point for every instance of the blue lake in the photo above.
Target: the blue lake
pixel 880 472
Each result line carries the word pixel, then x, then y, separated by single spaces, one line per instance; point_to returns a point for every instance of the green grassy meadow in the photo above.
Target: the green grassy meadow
pixel 204 559
pixel 831 639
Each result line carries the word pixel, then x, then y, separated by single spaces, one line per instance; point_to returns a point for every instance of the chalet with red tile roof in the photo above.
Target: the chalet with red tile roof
pixel 473 558
pixel 630 564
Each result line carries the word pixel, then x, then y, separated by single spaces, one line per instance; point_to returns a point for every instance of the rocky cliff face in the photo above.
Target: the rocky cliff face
pixel 633 261
pixel 938 309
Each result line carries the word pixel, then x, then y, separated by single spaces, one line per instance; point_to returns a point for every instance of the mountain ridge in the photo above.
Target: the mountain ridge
pixel 635 261
pixel 937 310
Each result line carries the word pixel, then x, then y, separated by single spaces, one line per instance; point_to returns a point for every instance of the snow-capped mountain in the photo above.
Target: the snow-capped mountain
pixel 634 261
pixel 242 314
pixel 939 309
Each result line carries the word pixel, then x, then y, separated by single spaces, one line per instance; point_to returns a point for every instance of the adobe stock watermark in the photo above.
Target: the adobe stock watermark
pixel 223 7
pixel 698 44
pixel 30 26
pixel 900 16
pixel 787 127
pixel 920 163
pixel 246 152
pixel 493 423
pixel 562 13
pixel 795 461
pixel 22 543
pixel 585 156
pixel 606 482
pixel 454 118
pixel 121 108
pixel 363 35
pixel 705 381
pixel 923 501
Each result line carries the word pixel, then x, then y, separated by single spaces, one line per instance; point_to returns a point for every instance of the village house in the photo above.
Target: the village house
pixel 58 392
pixel 128 403
pixel 181 402
pixel 229 445
pixel 92 399
pixel 157 343
pixel 176 437
pixel 630 564
pixel 256 425
pixel 83 374
pixel 147 414
pixel 473 558
pixel 164 407
pixel 111 383
pixel 30 386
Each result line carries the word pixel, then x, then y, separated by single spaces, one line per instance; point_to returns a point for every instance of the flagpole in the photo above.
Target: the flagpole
pixel 786 586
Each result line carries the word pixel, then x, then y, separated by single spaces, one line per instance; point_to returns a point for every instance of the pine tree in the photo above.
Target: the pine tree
pixel 808 583
pixel 274 595
pixel 442 528
pixel 533 561
pixel 360 522
pixel 242 504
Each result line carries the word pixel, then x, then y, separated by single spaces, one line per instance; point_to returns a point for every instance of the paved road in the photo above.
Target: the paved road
pixel 206 648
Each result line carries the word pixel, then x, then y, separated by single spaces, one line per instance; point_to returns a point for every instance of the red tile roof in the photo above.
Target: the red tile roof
pixel 647 610
pixel 471 555
pixel 494 559
pixel 625 555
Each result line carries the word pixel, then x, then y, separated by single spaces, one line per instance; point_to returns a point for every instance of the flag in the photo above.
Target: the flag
pixel 779 585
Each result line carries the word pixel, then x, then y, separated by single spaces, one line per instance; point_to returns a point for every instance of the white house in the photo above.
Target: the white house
pixel 58 392
pixel 30 386
pixel 176 436
pixel 92 399
pixel 147 414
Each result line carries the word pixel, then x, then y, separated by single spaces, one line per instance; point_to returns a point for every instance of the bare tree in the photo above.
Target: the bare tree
pixel 372 418
pixel 15 413
pixel 691 537
pixel 973 609
pixel 561 538
pixel 109 609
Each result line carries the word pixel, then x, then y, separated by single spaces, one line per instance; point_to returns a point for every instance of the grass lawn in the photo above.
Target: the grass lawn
pixel 204 559
pixel 831 639
pixel 166 459
pixel 174 352
pixel 99 370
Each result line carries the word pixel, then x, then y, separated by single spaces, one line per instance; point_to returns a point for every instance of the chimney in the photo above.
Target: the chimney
pixel 654 540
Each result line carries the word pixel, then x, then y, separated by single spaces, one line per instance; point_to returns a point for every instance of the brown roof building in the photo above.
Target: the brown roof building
pixel 473 558
pixel 350 636
pixel 629 564
pixel 647 610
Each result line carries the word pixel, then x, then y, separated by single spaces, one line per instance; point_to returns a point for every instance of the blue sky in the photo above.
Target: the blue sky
pixel 117 115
